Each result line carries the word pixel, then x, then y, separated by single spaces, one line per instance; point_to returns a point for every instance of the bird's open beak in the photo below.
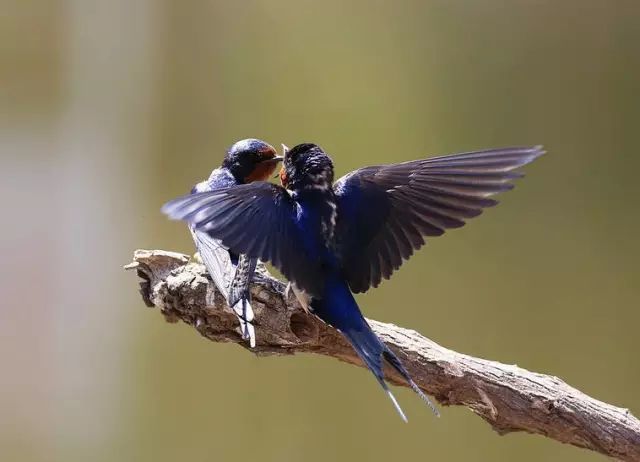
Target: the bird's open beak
pixel 273 160
pixel 285 151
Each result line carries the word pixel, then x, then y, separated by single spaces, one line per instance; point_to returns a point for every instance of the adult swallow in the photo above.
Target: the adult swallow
pixel 331 240
pixel 246 161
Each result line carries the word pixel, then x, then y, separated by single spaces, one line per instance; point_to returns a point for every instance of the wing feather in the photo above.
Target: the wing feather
pixel 384 212
pixel 257 220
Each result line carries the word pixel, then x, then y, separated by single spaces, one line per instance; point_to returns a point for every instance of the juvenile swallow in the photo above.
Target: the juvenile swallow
pixel 246 161
pixel 333 240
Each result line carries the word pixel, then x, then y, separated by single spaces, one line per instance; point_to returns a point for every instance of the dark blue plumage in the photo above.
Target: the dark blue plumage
pixel 247 160
pixel 331 240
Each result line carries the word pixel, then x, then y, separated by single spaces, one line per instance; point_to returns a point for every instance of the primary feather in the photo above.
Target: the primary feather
pixel 385 212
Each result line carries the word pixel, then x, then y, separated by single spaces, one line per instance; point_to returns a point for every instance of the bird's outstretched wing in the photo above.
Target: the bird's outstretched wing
pixel 257 220
pixel 384 212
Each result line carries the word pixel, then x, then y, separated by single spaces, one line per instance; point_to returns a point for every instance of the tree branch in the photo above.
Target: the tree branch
pixel 508 397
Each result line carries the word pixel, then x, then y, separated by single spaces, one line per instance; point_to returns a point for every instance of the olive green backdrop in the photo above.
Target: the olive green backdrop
pixel 110 108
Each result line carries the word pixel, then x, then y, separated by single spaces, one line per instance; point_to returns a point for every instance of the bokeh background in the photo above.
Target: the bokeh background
pixel 111 108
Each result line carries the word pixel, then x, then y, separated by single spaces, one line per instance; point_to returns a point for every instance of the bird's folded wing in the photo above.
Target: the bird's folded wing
pixel 216 259
pixel 257 220
pixel 384 212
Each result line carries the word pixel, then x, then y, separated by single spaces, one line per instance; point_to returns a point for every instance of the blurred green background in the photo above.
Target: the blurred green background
pixel 111 108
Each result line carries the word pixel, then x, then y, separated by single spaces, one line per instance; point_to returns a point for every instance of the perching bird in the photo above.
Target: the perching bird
pixel 246 161
pixel 331 240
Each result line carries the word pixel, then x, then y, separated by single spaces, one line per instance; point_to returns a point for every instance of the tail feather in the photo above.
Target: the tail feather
pixel 372 351
pixel 239 287
pixel 395 403
pixel 397 365
pixel 339 309
pixel 244 312
pixel 240 297
pixel 369 350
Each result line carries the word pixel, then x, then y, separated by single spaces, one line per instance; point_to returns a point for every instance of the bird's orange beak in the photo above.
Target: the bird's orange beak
pixel 284 180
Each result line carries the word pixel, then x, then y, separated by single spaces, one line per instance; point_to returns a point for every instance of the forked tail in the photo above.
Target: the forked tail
pixel 340 310
pixel 372 351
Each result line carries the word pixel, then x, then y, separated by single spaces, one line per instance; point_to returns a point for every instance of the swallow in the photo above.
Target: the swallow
pixel 332 240
pixel 246 161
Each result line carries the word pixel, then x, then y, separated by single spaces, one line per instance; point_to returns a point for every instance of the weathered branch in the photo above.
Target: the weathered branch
pixel 508 397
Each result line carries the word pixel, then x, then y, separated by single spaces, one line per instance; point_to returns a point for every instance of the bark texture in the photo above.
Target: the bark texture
pixel 507 397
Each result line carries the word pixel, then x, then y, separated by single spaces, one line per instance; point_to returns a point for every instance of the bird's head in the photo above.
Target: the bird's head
pixel 306 166
pixel 251 160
